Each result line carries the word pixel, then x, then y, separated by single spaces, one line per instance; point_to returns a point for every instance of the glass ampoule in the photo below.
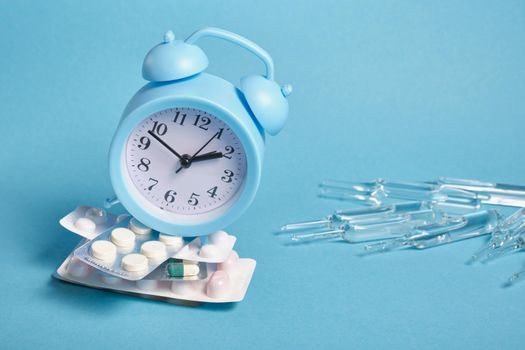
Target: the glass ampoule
pixel 450 229
pixel 373 229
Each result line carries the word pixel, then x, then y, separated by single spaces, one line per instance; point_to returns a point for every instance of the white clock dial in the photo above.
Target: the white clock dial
pixel 185 160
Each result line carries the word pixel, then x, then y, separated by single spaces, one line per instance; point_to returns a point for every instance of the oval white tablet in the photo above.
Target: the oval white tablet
pixel 138 227
pixel 219 285
pixel 153 250
pixel 148 285
pixel 219 238
pixel 210 251
pixel 171 241
pixel 123 237
pixel 86 225
pixel 103 250
pixel 229 264
pixel 134 262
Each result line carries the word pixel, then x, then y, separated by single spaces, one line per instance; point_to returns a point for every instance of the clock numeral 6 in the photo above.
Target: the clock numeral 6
pixel 212 192
pixel 228 177
pixel 170 196
pixel 159 128
pixel 144 164
pixel 144 143
pixel 193 199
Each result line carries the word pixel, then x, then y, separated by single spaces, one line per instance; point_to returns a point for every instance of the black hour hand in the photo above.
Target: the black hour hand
pixel 207 156
pixel 186 160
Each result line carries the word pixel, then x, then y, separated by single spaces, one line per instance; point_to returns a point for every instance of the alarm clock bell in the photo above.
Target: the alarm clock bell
pixel 173 60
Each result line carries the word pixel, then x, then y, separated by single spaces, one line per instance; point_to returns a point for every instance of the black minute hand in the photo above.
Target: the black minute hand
pixel 206 144
pixel 164 144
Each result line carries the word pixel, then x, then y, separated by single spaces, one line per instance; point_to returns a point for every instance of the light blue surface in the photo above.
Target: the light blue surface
pixel 402 90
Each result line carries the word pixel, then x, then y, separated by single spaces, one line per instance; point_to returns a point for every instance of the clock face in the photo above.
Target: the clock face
pixel 185 161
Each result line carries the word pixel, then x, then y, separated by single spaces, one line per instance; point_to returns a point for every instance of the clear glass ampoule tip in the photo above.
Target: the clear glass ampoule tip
pixel 482 253
pixel 305 225
pixel 515 278
pixel 385 246
pixel 318 235
pixel 503 250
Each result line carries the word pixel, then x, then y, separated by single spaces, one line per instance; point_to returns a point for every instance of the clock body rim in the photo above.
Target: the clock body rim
pixel 213 95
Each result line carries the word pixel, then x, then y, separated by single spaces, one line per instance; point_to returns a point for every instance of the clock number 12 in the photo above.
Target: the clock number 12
pixel 202 122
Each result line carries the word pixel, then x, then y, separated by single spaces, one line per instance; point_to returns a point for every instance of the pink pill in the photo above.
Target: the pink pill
pixel 218 285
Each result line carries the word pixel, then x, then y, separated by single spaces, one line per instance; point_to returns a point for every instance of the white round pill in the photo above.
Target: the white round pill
pixel 148 285
pixel 123 237
pixel 138 227
pixel 103 250
pixel 110 279
pixel 98 215
pixel 219 237
pixel 184 287
pixel 219 285
pixel 86 225
pixel 171 241
pixel 77 268
pixel 153 250
pixel 134 262
pixel 210 251
pixel 229 263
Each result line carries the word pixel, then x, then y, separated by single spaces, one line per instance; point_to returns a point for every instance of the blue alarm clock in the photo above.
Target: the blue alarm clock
pixel 187 155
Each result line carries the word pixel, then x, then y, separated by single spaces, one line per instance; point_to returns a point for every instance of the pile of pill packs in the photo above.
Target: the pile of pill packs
pixel 420 215
pixel 119 253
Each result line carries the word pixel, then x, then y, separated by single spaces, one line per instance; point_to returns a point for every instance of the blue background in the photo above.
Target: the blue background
pixel 401 90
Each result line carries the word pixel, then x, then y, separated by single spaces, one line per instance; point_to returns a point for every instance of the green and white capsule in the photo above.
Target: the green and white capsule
pixel 182 269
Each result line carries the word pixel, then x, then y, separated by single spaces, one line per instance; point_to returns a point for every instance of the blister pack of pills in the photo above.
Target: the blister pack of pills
pixel 89 222
pixel 225 282
pixel 121 254
pixel 129 250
